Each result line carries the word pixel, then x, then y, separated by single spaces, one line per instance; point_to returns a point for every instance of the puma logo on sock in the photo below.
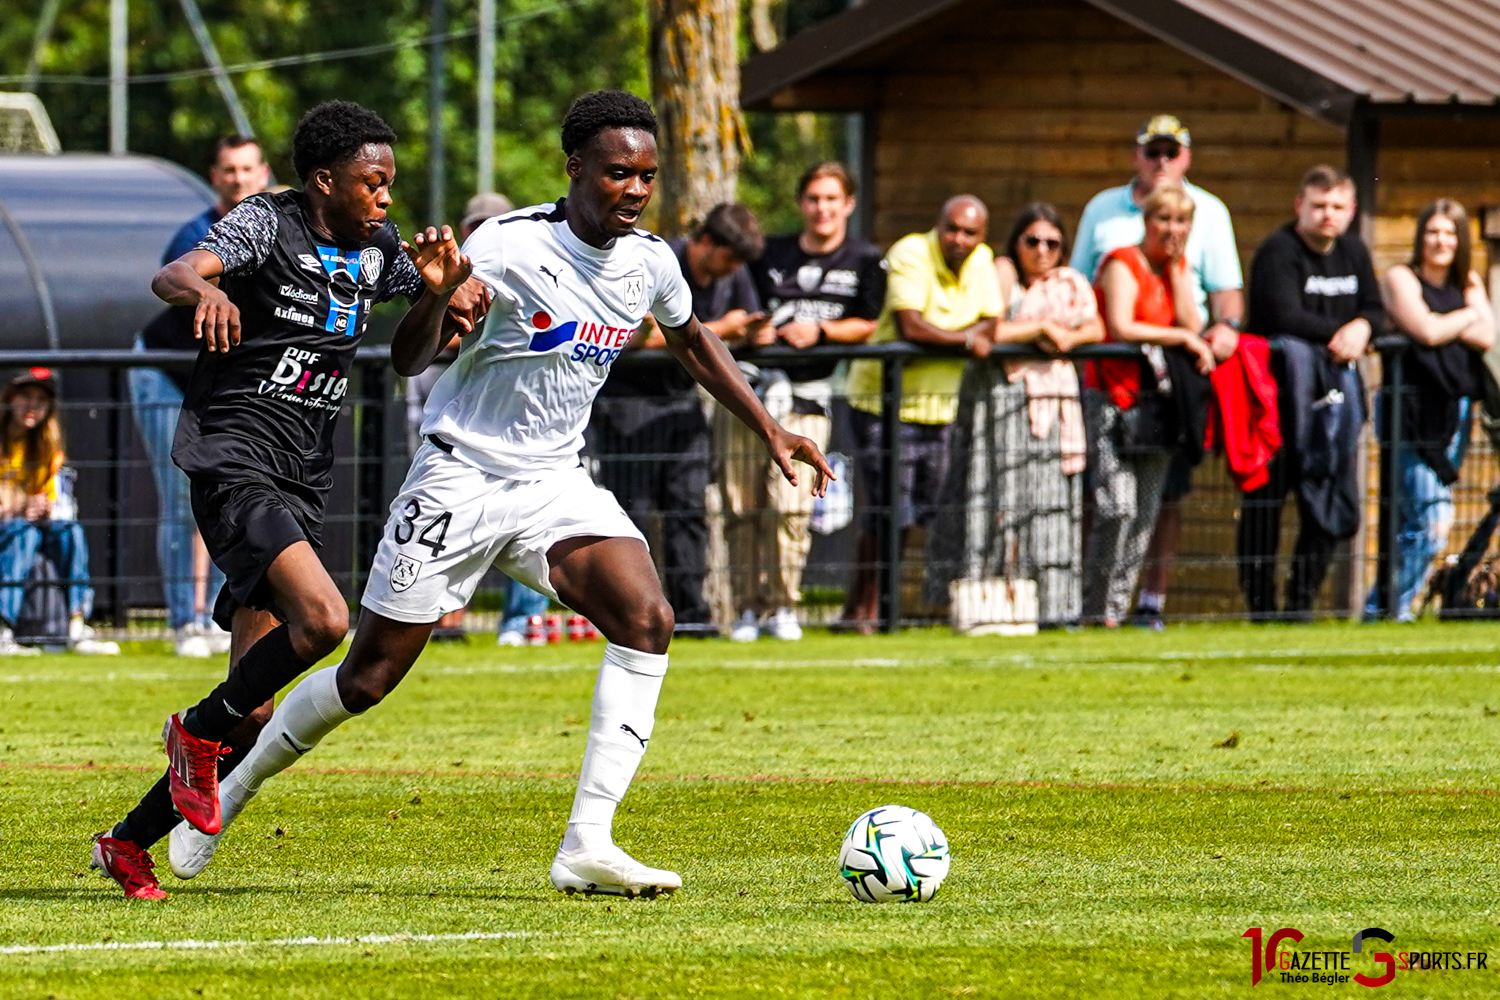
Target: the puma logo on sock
pixel 632 732
pixel 293 744
pixel 230 709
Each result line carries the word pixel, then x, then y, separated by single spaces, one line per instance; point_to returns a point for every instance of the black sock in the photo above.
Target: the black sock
pixel 267 667
pixel 154 816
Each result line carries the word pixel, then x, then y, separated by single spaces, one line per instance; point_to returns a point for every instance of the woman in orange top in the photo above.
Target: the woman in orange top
pixel 1146 296
pixel 29 499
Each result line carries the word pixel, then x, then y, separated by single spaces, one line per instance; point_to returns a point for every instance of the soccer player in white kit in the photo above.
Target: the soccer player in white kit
pixel 497 481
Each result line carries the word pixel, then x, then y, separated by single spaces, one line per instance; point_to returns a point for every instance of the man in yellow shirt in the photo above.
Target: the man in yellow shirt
pixel 941 291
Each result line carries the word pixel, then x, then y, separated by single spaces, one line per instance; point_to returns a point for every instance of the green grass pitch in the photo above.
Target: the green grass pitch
pixel 1121 808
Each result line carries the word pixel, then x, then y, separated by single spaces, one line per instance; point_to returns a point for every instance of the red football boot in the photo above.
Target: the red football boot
pixel 194 768
pixel 128 865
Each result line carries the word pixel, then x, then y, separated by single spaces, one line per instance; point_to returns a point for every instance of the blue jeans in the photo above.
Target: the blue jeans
pixel 521 602
pixel 1425 516
pixel 156 401
pixel 60 541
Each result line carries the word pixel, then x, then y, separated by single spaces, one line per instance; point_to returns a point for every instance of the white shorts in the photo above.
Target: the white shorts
pixel 451 522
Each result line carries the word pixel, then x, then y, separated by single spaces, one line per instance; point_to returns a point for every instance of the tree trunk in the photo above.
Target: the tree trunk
pixel 695 75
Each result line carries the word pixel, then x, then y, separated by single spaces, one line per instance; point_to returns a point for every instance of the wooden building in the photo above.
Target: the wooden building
pixel 1016 100
pixel 1019 100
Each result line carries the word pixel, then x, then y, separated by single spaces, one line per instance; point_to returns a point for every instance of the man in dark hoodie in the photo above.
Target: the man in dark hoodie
pixel 1313 288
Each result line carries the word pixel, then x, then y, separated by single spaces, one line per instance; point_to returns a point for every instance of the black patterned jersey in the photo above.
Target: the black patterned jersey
pixel 848 281
pixel 266 408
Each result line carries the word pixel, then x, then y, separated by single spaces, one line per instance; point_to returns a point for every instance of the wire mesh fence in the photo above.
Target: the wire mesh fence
pixel 1011 502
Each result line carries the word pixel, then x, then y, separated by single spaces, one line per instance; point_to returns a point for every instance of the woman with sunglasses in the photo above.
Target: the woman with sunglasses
pixel 1012 506
pixel 1146 296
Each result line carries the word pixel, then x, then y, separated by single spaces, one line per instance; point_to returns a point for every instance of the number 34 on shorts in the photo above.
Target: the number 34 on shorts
pixel 431 536
pixel 410 524
pixel 452 522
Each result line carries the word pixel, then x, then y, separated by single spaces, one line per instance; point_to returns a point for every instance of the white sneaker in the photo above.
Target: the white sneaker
pixel 218 639
pixel 189 850
pixel 82 640
pixel 10 647
pixel 747 629
pixel 189 640
pixel 510 637
pixel 784 626
pixel 610 872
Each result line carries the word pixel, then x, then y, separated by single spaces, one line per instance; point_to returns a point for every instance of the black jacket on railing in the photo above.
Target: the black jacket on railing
pixel 1322 412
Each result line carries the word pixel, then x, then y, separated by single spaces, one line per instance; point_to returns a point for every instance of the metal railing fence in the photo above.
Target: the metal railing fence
pixel 1030 525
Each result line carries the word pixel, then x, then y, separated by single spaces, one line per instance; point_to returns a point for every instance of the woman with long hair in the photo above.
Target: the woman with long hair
pixel 37 518
pixel 1012 502
pixel 1147 297
pixel 1438 301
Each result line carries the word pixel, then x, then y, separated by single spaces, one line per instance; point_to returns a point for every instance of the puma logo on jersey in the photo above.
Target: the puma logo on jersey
pixel 549 274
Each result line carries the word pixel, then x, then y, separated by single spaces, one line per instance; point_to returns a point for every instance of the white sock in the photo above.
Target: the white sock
pixel 623 716
pixel 309 712
pixel 1150 600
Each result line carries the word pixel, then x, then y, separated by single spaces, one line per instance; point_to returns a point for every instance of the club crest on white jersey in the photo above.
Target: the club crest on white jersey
pixel 518 397
pixel 635 291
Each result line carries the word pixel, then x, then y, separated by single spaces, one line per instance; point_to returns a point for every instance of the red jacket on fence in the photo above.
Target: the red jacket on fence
pixel 1244 420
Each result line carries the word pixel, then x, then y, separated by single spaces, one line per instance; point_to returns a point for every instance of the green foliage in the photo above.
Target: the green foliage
pixel 1106 840
pixel 547 52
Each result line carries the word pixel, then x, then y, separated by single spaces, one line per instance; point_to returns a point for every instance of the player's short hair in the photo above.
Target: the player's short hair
pixel 334 132
pixel 828 168
pixel 600 110
pixel 1324 177
pixel 235 141
pixel 733 225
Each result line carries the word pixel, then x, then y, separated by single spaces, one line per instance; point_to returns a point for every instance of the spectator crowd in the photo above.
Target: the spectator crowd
pixel 1049 487
pixel 1043 488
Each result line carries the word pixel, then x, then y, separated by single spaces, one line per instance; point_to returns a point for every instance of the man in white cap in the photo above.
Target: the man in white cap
pixel 1113 219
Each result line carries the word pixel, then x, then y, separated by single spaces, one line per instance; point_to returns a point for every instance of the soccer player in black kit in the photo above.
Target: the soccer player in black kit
pixel 282 287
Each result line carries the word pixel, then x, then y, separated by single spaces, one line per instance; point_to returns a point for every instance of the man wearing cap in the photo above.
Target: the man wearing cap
pixel 1113 219
pixel 238 171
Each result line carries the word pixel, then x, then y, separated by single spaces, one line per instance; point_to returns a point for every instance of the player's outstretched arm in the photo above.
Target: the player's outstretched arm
pixel 419 336
pixel 187 281
pixel 706 358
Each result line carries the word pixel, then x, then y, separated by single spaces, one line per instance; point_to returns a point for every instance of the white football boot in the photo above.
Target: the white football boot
pixel 609 871
pixel 189 850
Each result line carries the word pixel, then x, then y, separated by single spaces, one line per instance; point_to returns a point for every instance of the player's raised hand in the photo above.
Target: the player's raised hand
pixel 216 320
pixel 468 304
pixel 786 448
pixel 438 260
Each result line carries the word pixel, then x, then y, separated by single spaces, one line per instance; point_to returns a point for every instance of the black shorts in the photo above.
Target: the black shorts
pixel 246 525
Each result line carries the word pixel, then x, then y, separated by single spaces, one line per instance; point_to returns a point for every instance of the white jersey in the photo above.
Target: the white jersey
pixel 517 399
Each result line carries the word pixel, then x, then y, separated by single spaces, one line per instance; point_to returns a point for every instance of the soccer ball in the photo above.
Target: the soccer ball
pixel 894 853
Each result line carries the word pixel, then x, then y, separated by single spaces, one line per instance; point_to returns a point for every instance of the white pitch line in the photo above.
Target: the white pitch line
pixel 301 942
